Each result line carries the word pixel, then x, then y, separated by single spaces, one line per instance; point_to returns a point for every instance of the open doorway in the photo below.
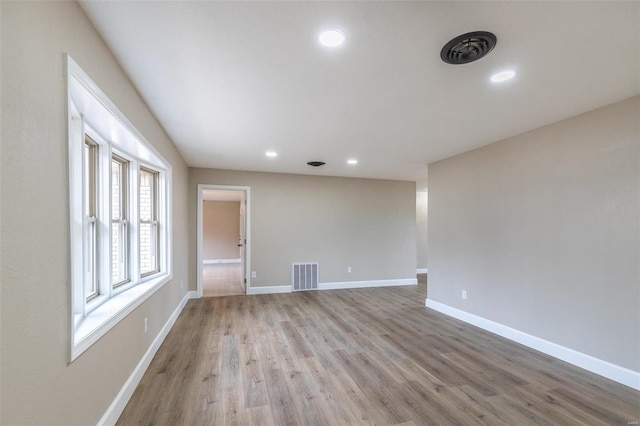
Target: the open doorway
pixel 223 240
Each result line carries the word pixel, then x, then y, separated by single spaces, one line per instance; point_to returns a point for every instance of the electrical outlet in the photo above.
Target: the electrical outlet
pixel 146 323
pixel 464 294
pixel 348 269
pixel 253 274
pixel 181 284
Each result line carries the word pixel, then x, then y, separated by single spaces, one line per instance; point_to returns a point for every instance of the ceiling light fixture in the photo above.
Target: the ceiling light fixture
pixel 271 154
pixel 332 37
pixel 352 161
pixel 503 76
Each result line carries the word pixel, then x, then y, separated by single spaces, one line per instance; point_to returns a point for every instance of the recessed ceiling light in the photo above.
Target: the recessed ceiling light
pixel 332 37
pixel 352 161
pixel 271 154
pixel 503 76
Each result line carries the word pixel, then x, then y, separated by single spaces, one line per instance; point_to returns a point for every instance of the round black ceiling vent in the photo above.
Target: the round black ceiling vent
pixel 468 47
pixel 316 163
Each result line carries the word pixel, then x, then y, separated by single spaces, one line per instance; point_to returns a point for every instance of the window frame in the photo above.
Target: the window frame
pixel 124 217
pixel 153 220
pixel 90 203
pixel 92 115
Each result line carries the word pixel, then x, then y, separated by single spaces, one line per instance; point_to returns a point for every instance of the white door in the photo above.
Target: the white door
pixel 242 244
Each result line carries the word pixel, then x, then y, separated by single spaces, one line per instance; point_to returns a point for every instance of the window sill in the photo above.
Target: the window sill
pixel 90 328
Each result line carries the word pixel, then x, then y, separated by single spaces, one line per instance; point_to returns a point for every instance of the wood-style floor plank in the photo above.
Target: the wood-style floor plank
pixel 222 279
pixel 359 357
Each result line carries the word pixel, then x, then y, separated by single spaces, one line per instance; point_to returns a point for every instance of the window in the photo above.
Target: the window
pixel 119 221
pixel 120 213
pixel 148 222
pixel 90 222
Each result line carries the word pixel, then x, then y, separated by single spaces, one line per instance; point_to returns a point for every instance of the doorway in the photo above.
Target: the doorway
pixel 223 240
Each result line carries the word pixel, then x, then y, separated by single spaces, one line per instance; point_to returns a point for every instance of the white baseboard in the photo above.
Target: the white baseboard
pixel 269 289
pixel 421 271
pixel 214 261
pixel 116 408
pixel 367 284
pixel 336 286
pixel 603 368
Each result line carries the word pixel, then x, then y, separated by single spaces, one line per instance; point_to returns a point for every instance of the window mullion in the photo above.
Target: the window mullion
pixel 162 221
pixel 148 210
pixel 124 250
pixel 77 179
pixel 121 193
pixel 156 226
pixel 104 253
pixel 134 212
pixel 90 201
pixel 163 212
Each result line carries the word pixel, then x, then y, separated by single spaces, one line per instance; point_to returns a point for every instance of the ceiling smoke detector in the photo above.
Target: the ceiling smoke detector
pixel 468 47
pixel 316 163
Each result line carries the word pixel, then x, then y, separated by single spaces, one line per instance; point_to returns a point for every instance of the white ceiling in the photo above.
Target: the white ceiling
pixel 231 80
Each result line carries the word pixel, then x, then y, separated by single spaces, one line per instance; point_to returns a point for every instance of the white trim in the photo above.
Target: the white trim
pixel 269 289
pixel 603 368
pixel 213 261
pixel 336 286
pixel 367 284
pixel 90 112
pixel 116 408
pixel 247 252
pixel 91 327
pixel 421 271
pixel 73 69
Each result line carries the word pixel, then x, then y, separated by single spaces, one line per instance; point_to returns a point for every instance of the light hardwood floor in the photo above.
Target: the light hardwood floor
pixel 221 279
pixel 368 356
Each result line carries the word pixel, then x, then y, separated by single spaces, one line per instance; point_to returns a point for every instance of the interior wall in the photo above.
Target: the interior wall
pixel 542 231
pixel 369 225
pixel 220 229
pixel 422 203
pixel 37 384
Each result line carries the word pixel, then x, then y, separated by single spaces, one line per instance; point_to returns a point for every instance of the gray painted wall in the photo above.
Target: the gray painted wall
pixel 422 202
pixel 367 224
pixel 37 385
pixel 543 232
pixel 221 230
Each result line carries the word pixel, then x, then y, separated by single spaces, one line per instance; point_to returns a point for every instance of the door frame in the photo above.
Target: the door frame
pixel 247 219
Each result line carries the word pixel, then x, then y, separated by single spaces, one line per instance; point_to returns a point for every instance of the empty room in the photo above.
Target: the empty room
pixel 319 213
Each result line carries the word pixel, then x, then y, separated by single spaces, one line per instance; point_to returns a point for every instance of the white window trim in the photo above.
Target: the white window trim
pixel 90 111
pixel 127 180
pixel 157 213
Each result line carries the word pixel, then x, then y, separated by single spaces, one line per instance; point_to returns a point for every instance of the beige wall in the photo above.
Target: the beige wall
pixel 37 385
pixel 367 224
pixel 221 230
pixel 543 232
pixel 422 202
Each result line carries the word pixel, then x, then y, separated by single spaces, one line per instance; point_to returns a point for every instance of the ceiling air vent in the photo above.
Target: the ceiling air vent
pixel 468 47
pixel 316 163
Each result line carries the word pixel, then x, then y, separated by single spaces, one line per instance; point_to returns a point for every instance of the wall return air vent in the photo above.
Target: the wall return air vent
pixel 304 276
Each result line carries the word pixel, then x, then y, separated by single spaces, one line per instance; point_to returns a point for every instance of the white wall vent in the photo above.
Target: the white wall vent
pixel 304 276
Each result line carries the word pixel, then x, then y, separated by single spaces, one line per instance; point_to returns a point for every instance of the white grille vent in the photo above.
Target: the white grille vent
pixel 304 276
